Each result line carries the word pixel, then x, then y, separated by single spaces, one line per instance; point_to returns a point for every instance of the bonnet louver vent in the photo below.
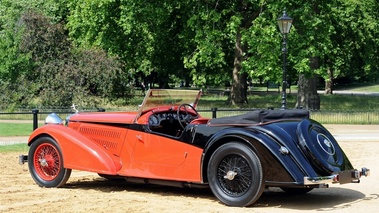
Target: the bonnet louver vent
pixel 100 132
pixel 104 137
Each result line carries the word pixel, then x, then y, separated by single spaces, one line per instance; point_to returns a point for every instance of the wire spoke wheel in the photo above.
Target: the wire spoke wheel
pixel 235 174
pixel 46 163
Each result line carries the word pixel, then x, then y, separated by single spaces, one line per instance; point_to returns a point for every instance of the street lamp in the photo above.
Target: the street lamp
pixel 285 23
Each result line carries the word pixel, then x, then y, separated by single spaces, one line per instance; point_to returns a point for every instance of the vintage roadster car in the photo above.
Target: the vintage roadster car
pixel 168 142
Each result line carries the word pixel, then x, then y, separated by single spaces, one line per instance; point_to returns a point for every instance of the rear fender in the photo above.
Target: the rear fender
pixel 78 151
pixel 260 140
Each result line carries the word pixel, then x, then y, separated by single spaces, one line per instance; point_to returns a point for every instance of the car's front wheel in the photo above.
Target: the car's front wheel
pixel 235 174
pixel 46 163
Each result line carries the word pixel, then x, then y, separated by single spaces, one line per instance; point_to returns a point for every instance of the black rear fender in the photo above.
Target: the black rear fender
pixel 321 149
pixel 277 166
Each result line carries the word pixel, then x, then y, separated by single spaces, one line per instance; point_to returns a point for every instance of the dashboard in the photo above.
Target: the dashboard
pixel 157 119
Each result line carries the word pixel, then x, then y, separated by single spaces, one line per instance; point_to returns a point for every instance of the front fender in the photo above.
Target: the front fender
pixel 78 151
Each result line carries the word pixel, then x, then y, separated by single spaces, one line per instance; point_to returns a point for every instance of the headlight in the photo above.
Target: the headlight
pixel 53 119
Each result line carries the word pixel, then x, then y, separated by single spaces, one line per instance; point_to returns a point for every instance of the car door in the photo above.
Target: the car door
pixel 159 149
pixel 158 156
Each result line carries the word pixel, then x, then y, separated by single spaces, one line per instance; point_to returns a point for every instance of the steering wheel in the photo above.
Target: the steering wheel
pixel 188 117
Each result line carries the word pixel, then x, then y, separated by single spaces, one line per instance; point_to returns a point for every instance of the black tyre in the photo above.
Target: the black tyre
pixel 235 175
pixel 46 163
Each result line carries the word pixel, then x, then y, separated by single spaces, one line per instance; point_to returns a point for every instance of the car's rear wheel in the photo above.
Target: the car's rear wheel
pixel 46 163
pixel 235 174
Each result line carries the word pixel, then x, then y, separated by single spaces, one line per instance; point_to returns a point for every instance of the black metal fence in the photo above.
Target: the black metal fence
pixel 326 117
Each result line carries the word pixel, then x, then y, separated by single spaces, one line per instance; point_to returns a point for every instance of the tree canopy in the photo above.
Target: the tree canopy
pixel 76 50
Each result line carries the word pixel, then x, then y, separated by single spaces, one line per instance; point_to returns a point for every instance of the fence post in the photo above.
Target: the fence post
pixel 214 112
pixel 35 118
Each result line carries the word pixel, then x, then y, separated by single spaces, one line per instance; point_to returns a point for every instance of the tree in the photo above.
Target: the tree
pixel 145 35
pixel 357 35
pixel 339 39
pixel 12 61
pixel 221 42
pixel 209 43
pixel 36 49
pixel 64 76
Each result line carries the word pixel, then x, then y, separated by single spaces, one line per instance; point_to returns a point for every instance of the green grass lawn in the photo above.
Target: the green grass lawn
pixel 262 100
pixel 15 148
pixel 15 129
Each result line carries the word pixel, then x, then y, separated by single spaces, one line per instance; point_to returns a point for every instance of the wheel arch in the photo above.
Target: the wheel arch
pixel 266 157
pixel 212 148
pixel 48 170
pixel 78 151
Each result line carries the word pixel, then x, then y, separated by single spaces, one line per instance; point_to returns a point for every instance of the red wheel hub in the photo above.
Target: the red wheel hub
pixel 47 161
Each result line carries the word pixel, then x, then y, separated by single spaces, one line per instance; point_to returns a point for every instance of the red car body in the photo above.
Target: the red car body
pixel 167 142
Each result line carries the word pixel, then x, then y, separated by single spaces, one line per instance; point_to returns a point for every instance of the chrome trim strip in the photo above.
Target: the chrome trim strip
pixel 342 177
pixel 53 118
pixel 321 180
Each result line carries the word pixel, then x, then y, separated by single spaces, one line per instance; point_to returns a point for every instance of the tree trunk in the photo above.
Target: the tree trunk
pixel 329 82
pixel 307 96
pixel 238 91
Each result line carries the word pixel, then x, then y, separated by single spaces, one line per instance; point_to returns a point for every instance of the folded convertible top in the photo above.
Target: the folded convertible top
pixel 261 116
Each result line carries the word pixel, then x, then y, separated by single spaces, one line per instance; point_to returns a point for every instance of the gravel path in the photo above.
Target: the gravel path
pixel 13 140
pixel 9 140
pixel 87 192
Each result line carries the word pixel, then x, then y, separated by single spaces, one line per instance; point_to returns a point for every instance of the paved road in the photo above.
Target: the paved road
pixel 354 132
pixel 347 92
pixel 13 140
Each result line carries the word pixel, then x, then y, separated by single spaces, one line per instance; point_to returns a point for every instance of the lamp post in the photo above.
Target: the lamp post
pixel 285 23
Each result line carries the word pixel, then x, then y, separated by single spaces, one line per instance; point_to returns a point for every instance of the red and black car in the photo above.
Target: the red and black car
pixel 168 142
